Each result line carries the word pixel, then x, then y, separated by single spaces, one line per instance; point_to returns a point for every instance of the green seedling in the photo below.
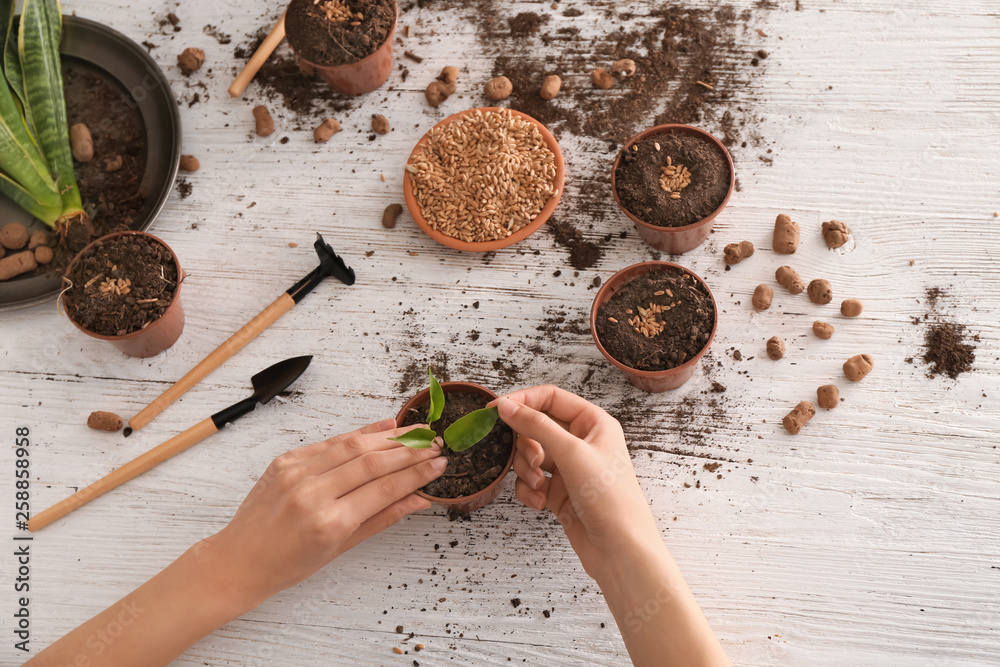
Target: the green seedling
pixel 458 437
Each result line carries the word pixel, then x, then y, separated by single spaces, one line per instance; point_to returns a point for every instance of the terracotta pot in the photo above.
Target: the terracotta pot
pixel 488 246
pixel 480 498
pixel 675 240
pixel 651 381
pixel 361 76
pixel 161 333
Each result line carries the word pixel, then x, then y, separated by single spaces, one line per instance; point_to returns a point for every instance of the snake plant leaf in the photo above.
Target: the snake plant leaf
pixel 437 400
pixel 11 63
pixel 470 429
pixel 418 438
pixel 46 212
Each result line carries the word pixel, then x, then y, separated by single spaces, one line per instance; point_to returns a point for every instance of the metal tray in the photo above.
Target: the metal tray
pixel 111 55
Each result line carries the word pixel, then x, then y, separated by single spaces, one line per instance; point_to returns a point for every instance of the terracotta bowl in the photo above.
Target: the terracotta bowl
pixel 651 381
pixel 675 240
pixel 480 498
pixel 487 246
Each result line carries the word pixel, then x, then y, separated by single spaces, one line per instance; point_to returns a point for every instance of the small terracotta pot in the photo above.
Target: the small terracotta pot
pixel 361 76
pixel 487 246
pixel 161 333
pixel 651 381
pixel 675 240
pixel 480 498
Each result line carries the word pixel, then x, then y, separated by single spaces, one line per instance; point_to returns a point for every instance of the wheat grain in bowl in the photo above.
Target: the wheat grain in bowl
pixel 483 177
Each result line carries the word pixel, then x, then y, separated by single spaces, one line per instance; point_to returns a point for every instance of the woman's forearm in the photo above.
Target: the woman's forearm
pixel 156 622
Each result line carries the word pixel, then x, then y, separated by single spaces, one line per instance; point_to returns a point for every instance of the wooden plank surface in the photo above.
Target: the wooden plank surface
pixel 869 539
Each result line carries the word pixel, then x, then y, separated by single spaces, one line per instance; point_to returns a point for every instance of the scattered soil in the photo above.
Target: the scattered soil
pixel 582 254
pixel 145 279
pixel 637 179
pixel 324 42
pixel 686 327
pixel 948 353
pixel 477 467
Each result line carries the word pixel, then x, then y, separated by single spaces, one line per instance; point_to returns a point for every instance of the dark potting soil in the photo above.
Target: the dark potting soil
pixel 948 352
pixel 687 326
pixel 121 285
pixel 325 42
pixel 637 179
pixel 477 467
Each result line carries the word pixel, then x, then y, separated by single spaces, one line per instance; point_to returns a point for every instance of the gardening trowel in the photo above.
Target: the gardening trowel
pixel 266 385
pixel 329 265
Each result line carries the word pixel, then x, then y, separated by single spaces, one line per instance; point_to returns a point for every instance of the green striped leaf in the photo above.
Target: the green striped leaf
pixel 11 63
pixel 46 212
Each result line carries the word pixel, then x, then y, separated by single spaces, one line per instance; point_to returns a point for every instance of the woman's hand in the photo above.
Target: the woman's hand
pixel 316 502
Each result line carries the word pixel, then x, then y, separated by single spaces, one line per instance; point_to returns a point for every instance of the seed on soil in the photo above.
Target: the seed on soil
pixel 14 236
pixel 263 120
pixel 786 235
pixel 39 237
pixel 835 233
pixel 858 366
pixel 820 292
pixel 602 79
pixel 797 418
pixel 380 124
pixel 550 87
pixel 189 163
pixel 737 252
pixel 81 143
pixel 828 396
pixel 851 307
pixel 623 68
pixel 789 278
pixel 762 297
pixel 775 348
pixel 336 11
pixel 483 176
pixel 498 89
pixel 104 421
pixel 15 265
pixel 823 330
pixel 674 178
pixel 114 164
pixel 390 214
pixel 325 130
pixel 191 60
pixel 43 254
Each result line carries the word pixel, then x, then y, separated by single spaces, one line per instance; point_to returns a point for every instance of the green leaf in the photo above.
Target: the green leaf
pixel 437 400
pixel 47 213
pixel 11 63
pixel 470 429
pixel 418 438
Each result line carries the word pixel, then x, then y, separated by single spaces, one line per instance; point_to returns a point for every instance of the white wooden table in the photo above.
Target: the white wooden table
pixel 869 539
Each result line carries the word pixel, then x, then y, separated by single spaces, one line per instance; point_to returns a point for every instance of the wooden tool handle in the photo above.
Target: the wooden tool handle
pixel 262 53
pixel 130 470
pixel 234 344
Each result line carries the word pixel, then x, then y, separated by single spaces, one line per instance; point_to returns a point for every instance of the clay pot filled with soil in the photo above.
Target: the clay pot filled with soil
pixel 654 321
pixel 445 191
pixel 125 288
pixel 474 477
pixel 672 181
pixel 347 42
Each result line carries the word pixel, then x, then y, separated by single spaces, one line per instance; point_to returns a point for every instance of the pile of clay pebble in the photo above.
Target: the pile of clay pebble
pixel 21 251
pixel 820 291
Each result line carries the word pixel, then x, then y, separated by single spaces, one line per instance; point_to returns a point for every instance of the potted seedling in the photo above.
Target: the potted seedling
pixel 654 321
pixel 672 181
pixel 479 447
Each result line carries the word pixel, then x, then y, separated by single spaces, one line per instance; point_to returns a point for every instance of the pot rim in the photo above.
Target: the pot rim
pixel 559 182
pixel 669 128
pixel 387 40
pixel 422 396
pixel 134 334
pixel 610 287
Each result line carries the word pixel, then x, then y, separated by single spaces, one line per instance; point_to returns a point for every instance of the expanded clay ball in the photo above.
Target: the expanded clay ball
pixel 325 130
pixel 380 124
pixel 15 265
pixel 390 214
pixel 104 421
pixel 858 366
pixel 789 278
pixel 823 330
pixel 81 143
pixel 835 233
pixel 190 60
pixel 442 87
pixel 820 291
pixel 449 76
pixel 828 396
pixel 43 254
pixel 851 307
pixel 623 68
pixel 550 87
pixel 786 235
pixel 734 253
pixel 602 79
pixel 190 163
pixel 762 297
pixel 14 236
pixel 263 121
pixel 40 237
pixel 775 348
pixel 797 418
pixel 498 89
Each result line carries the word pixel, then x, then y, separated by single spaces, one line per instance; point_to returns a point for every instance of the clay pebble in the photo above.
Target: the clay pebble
pixel 104 421
pixel 851 307
pixel 442 87
pixel 797 418
pixel 820 291
pixel 786 235
pixel 858 366
pixel 550 87
pixel 43 254
pixel 190 60
pixel 81 143
pixel 498 89
pixel 390 214
pixel 380 124
pixel 775 348
pixel 189 163
pixel 623 68
pixel 823 330
pixel 15 265
pixel 325 130
pixel 602 79
pixel 263 121
pixel 789 278
pixel 14 236
pixel 734 253
pixel 828 396
pixel 835 233
pixel 39 237
pixel 762 297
